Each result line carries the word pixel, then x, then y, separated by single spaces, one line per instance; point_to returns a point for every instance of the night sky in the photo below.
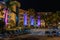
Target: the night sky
pixel 39 5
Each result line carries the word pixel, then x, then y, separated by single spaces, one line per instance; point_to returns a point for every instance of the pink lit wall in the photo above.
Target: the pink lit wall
pixel 6 16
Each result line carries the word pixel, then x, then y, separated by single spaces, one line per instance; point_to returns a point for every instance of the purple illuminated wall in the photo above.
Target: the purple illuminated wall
pixel 38 21
pixel 25 19
pixel 31 20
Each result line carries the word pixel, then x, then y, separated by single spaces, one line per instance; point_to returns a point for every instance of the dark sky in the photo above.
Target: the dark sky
pixel 39 5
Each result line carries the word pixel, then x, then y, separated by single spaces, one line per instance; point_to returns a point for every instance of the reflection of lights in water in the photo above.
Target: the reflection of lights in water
pixel 25 19
pixel 31 20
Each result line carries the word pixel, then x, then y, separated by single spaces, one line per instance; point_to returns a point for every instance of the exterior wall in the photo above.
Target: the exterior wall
pixel 21 18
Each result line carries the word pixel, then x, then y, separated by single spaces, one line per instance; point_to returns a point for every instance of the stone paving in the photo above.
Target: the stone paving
pixel 30 37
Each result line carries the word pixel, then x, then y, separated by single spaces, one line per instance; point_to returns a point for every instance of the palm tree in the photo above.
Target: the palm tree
pixel 14 4
pixel 14 7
